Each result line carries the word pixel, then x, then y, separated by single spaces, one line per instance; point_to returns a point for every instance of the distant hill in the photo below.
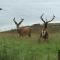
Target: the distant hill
pixel 36 28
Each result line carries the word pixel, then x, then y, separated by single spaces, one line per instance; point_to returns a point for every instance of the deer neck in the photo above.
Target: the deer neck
pixel 17 27
pixel 45 25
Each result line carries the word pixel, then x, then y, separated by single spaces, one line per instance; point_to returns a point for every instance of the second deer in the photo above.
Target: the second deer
pixel 22 30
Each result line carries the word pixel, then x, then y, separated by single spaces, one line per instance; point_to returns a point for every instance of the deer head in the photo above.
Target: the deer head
pixel 17 24
pixel 46 22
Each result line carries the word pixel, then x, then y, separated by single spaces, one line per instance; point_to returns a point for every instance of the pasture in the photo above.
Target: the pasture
pixel 13 47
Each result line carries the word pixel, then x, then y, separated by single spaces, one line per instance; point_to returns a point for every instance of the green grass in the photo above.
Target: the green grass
pixel 13 47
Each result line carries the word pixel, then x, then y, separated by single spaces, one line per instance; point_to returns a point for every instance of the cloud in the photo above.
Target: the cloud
pixel 30 10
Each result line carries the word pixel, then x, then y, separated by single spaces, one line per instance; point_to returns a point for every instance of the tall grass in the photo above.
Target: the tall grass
pixel 13 47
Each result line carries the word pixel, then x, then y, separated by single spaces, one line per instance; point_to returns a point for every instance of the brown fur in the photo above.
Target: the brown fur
pixel 25 31
pixel 22 30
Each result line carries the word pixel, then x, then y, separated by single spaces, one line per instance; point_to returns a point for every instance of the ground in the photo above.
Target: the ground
pixel 13 47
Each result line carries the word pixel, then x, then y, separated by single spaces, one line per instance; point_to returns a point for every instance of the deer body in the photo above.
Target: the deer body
pixel 22 30
pixel 44 33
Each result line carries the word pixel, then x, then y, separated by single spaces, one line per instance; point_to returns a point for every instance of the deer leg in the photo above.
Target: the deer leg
pixel 29 34
pixel 19 35
pixel 40 38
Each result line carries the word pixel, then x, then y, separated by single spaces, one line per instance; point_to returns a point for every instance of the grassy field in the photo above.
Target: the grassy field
pixel 13 47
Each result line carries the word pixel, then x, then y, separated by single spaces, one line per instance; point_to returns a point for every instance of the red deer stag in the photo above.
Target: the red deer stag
pixel 44 33
pixel 22 30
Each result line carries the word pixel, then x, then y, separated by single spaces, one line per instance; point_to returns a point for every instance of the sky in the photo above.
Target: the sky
pixel 30 10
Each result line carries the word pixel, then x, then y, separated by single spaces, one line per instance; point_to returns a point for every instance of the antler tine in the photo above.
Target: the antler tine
pixel 42 18
pixel 41 15
pixel 14 21
pixel 14 18
pixel 21 21
pixel 52 18
pixel 21 18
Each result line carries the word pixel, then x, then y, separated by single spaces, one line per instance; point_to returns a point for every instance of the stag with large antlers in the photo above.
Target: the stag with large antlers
pixel 22 30
pixel 44 33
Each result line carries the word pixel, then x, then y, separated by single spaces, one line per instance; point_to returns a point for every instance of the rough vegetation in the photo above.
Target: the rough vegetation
pixel 14 47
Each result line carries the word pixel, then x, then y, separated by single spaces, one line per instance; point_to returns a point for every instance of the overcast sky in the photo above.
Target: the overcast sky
pixel 30 10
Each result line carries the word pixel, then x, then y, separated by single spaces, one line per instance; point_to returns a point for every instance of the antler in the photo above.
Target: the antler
pixel 42 18
pixel 1 9
pixel 21 21
pixel 52 18
pixel 14 21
